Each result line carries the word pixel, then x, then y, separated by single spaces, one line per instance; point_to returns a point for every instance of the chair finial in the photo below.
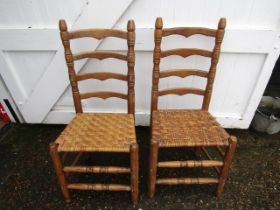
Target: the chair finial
pixel 222 23
pixel 159 23
pixel 131 25
pixel 62 25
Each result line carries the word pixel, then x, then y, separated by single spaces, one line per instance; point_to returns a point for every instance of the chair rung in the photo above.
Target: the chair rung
pixel 177 181
pixel 96 169
pixel 190 164
pixel 98 187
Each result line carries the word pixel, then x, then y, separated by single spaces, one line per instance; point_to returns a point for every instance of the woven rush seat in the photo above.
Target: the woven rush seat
pixel 177 128
pixel 93 132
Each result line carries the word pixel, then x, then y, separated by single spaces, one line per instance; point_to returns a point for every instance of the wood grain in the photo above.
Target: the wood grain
pixel 101 76
pixel 103 94
pixel 181 91
pixel 189 164
pixel 189 31
pixel 183 73
pixel 98 187
pixel 96 169
pixel 177 181
pixel 97 33
pixel 185 52
pixel 99 55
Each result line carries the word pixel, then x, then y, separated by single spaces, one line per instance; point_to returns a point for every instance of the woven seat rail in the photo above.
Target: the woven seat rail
pixel 160 32
pixel 129 35
pixel 189 31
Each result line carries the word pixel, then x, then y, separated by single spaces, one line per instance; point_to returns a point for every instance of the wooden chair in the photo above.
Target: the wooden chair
pixel 187 128
pixel 98 132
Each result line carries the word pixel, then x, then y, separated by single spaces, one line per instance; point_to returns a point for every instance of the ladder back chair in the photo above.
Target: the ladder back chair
pixel 98 132
pixel 187 128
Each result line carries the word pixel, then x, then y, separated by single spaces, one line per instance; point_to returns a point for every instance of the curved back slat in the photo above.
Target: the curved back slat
pixel 99 55
pixel 97 33
pixel 183 73
pixel 102 76
pixel 129 35
pixel 189 31
pixel 185 52
pixel 181 91
pixel 103 94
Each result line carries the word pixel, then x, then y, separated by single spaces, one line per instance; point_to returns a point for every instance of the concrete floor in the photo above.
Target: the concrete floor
pixel 28 181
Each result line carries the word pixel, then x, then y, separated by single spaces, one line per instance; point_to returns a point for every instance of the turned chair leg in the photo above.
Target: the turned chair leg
pixel 59 172
pixel 134 166
pixel 153 168
pixel 227 162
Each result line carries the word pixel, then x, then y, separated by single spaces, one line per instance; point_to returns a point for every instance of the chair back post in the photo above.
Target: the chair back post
pixel 70 65
pixel 156 61
pixel 214 61
pixel 130 65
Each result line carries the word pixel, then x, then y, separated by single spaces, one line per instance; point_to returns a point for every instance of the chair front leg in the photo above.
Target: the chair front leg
pixel 227 162
pixel 134 167
pixel 153 168
pixel 59 171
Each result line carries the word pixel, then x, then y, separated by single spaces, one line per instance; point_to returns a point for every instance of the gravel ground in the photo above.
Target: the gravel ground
pixel 27 179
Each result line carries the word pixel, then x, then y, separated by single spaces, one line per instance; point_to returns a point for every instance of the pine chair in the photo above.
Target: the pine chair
pixel 98 132
pixel 187 128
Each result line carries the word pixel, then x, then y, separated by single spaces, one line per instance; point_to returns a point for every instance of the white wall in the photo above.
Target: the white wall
pixel 249 50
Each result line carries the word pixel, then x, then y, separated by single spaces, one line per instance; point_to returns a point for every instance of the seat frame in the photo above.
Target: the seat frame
pixel 221 167
pixel 58 157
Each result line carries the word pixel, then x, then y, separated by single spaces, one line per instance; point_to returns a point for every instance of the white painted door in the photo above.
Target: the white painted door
pixel 35 73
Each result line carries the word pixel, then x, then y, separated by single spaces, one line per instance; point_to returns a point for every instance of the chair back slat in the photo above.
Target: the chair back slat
pixel 129 35
pixel 185 52
pixel 103 94
pixel 181 91
pixel 97 34
pixel 189 31
pixel 183 73
pixel 99 55
pixel 102 76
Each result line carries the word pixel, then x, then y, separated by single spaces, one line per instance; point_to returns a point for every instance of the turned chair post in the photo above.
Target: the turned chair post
pixel 130 65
